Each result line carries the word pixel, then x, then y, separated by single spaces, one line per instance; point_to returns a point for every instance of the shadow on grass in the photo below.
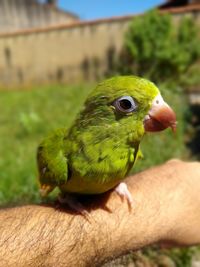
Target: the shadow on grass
pixel 193 140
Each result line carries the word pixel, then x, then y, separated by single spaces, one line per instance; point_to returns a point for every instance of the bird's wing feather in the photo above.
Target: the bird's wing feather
pixel 52 163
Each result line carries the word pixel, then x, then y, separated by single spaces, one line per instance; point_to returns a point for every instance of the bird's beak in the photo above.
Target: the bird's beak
pixel 160 116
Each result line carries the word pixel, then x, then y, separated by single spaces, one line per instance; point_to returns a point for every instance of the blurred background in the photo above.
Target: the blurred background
pixel 52 53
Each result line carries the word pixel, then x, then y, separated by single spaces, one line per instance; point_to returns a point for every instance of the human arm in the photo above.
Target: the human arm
pixel 166 208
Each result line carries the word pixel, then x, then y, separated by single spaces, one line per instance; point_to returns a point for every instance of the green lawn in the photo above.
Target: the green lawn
pixel 26 116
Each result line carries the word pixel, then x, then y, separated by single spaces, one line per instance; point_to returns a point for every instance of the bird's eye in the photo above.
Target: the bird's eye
pixel 125 104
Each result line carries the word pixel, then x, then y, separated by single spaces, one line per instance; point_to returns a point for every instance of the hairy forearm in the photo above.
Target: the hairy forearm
pixel 45 236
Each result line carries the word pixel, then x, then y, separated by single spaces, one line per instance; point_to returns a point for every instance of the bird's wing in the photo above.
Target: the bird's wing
pixel 52 163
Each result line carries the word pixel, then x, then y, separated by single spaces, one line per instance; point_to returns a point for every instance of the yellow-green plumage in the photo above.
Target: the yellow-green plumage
pixel 101 146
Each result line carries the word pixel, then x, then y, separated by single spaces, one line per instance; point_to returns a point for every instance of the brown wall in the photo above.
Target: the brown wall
pixel 27 14
pixel 67 54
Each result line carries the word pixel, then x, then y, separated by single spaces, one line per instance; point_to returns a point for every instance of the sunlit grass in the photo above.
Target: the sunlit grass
pixel 27 116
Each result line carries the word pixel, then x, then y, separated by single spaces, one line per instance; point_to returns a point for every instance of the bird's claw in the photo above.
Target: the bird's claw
pixel 123 192
pixel 72 203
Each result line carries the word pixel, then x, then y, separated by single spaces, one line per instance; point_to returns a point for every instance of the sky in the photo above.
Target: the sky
pixel 94 9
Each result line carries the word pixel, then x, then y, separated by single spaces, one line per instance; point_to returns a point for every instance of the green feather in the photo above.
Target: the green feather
pixel 102 145
pixel 52 162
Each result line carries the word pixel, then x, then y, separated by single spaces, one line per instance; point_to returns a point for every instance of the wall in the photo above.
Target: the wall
pixel 23 14
pixel 64 53
pixel 82 51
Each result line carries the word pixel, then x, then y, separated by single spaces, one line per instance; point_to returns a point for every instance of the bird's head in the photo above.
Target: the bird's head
pixel 131 102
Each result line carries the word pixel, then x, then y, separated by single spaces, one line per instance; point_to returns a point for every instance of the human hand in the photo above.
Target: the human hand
pixel 165 209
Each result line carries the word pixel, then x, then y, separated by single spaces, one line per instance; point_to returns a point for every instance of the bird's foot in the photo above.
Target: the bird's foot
pixel 73 203
pixel 123 192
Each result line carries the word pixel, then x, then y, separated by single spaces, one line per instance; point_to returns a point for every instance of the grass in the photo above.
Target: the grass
pixel 26 117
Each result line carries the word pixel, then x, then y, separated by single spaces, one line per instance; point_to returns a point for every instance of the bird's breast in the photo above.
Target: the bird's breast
pixel 94 173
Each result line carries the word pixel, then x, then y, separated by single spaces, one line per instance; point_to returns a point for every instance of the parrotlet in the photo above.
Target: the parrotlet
pixel 101 146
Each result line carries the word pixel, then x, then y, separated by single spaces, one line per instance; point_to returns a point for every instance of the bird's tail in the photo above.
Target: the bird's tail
pixel 45 189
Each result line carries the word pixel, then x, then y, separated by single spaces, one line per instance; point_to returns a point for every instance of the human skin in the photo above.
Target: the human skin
pixel 165 209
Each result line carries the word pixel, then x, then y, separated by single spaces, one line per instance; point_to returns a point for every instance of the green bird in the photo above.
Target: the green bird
pixel 97 152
